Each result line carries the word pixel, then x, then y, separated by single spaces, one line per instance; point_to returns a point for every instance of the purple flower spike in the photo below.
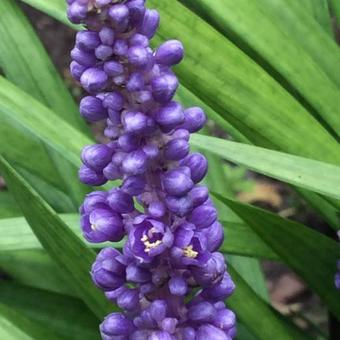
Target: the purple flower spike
pixel 169 280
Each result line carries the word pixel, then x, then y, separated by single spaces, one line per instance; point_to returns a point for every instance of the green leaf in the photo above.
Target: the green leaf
pixel 26 63
pixel 298 246
pixel 319 9
pixel 317 176
pixel 257 33
pixel 335 6
pixel 71 255
pixel 26 123
pixel 257 315
pixel 15 326
pixel 8 207
pixel 66 316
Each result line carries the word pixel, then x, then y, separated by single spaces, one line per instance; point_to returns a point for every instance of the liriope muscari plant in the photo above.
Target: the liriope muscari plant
pixel 169 280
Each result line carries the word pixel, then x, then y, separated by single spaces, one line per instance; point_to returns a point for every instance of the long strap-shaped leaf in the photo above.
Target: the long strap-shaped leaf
pixel 15 326
pixel 257 315
pixel 247 25
pixel 25 62
pixel 72 256
pixel 66 316
pixel 317 176
pixel 312 255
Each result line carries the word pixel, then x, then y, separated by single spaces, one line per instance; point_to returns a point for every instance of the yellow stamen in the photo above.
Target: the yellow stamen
pixel 189 252
pixel 149 245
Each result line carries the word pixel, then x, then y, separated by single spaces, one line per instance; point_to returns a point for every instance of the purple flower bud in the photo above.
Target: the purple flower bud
pixel 220 290
pixel 178 286
pixel 95 200
pixel 224 319
pixel 170 115
pixel 103 52
pixel 116 324
pixel 119 15
pixel 212 272
pixel 188 333
pixel 87 40
pixel 164 87
pixel 96 156
pixel 120 201
pixel 198 165
pixel 128 142
pixel 181 134
pixel 199 194
pixel 90 177
pixel 92 109
pixel 94 80
pixel 176 183
pixel 180 206
pixel 83 57
pixel 107 36
pixel 112 172
pixel 77 70
pixel 137 274
pixel 211 332
pixel 77 12
pixel 135 82
pixel 135 163
pixel 107 273
pixel 135 122
pixel 102 225
pixel 158 310
pixel 140 40
pixel 128 299
pixel 120 47
pixel 169 325
pixel 138 56
pixel 157 209
pixel 113 100
pixel 136 10
pixel 203 216
pixel 134 185
pixel 150 23
pixel 176 149
pixel 160 335
pixel 215 236
pixel 113 68
pixel 202 312
pixel 151 151
pixel 194 119
pixel 169 53
pixel 102 3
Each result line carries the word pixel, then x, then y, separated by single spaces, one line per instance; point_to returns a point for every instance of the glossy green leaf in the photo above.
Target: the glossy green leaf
pixel 299 247
pixel 8 207
pixel 65 316
pixel 257 315
pixel 71 255
pixel 25 62
pixel 317 176
pixel 251 29
pixel 15 326
pixel 29 130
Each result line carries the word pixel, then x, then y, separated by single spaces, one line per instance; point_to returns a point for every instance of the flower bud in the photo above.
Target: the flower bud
pixel 103 52
pixel 180 206
pixel 92 109
pixel 113 101
pixel 114 325
pixel 137 274
pixel 95 200
pixel 77 70
pixel 120 47
pixel 203 216
pixel 164 87
pixel 119 15
pixel 170 115
pixel 176 183
pixel 139 39
pixel 194 119
pixel 202 312
pixel 220 290
pixel 83 57
pixel 135 82
pixel 90 177
pixel 96 156
pixel 150 23
pixel 135 122
pixel 120 201
pixel 87 40
pixel 169 53
pixel 178 286
pixel 112 172
pixel 113 68
pixel 128 299
pixel 199 194
pixel 77 12
pixel 207 331
pixel 156 209
pixel 135 163
pixel 94 80
pixel 198 165
pixel 224 319
pixel 176 149
pixel 216 236
pixel 107 36
pixel 138 56
pixel 133 185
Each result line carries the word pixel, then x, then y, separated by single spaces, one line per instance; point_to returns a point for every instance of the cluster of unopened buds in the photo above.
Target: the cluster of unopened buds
pixel 168 279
